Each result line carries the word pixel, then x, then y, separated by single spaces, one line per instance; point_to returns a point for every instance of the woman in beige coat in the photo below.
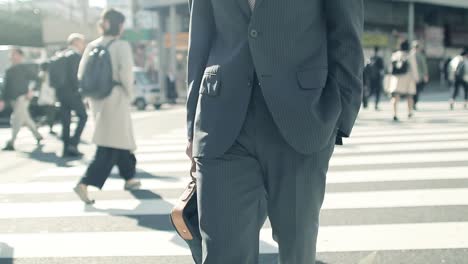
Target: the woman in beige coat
pixel 113 132
pixel 403 83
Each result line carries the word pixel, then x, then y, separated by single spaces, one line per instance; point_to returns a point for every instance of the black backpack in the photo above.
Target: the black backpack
pixel 460 71
pixel 97 81
pixel 400 67
pixel 375 68
pixel 58 71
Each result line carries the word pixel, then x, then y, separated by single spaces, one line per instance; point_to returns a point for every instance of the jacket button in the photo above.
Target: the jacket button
pixel 254 33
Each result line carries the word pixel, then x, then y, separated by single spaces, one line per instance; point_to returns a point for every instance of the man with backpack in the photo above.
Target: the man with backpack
pixel 374 76
pixel 63 77
pixel 460 77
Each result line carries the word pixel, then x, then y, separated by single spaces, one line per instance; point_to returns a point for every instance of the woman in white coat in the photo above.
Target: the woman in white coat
pixel 113 132
pixel 403 79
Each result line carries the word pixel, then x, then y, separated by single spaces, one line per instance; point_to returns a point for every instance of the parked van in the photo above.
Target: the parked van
pixel 147 92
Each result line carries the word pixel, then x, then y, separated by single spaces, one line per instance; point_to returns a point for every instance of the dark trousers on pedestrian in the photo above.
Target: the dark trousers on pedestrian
pixel 75 104
pixel 50 114
pixel 458 84
pixel 376 90
pixel 104 161
pixel 419 88
pixel 260 175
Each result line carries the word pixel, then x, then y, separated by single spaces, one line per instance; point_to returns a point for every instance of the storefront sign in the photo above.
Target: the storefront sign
pixel 371 39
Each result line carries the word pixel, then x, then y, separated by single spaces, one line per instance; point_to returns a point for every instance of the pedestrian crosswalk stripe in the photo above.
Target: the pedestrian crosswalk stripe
pixel 386 132
pixel 160 168
pixel 408 138
pixel 111 185
pixel 330 239
pixel 413 174
pixel 161 149
pixel 399 158
pixel 333 201
pixel 359 176
pixel 402 147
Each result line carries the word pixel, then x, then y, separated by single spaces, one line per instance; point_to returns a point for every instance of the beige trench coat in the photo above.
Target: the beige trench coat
pixel 403 84
pixel 113 123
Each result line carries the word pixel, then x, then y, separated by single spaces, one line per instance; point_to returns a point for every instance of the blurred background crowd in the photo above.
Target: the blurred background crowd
pixel 436 33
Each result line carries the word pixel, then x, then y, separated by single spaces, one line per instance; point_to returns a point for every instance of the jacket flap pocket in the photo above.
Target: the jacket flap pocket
pixel 313 78
pixel 210 85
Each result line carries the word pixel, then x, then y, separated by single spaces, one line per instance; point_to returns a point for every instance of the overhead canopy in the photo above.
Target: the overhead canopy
pixel 452 3
pixel 21 28
pixel 155 4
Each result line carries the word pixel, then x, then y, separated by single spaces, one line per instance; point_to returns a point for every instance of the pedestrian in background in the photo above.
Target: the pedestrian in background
pixel 459 75
pixel 47 97
pixel 171 92
pixel 403 80
pixel 423 72
pixel 65 69
pixel 375 74
pixel 113 132
pixel 18 94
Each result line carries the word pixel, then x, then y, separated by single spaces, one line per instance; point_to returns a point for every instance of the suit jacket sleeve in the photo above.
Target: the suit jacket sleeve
pixel 345 22
pixel 7 87
pixel 201 33
pixel 73 65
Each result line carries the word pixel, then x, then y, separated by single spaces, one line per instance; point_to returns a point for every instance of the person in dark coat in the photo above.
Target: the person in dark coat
pixel 70 98
pixel 17 93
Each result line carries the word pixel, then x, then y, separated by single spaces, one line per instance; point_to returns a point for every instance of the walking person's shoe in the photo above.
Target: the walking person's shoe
pixel 9 146
pixel 452 105
pixel 132 185
pixel 39 140
pixel 82 191
pixel 395 119
pixel 410 115
pixel 72 152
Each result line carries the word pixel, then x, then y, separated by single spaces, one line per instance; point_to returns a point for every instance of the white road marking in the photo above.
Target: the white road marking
pixel 163 243
pixel 335 201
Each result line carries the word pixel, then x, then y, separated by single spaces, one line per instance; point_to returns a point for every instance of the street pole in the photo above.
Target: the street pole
pixel 411 21
pixel 162 53
pixel 173 35
pixel 135 7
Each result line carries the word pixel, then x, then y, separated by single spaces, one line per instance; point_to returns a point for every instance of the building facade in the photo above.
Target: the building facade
pixel 441 25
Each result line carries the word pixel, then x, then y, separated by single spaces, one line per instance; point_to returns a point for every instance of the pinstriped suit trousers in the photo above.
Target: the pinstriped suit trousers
pixel 259 176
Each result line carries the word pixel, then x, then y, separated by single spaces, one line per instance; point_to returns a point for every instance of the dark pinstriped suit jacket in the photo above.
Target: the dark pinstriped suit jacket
pixel 308 58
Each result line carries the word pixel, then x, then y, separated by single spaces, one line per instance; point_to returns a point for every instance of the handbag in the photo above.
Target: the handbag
pixel 184 218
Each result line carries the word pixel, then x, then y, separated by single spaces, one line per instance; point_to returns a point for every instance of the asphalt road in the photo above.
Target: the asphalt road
pixel 396 193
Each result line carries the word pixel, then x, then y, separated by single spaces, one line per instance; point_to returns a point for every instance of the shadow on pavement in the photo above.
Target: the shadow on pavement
pixel 154 222
pixel 6 253
pixel 50 157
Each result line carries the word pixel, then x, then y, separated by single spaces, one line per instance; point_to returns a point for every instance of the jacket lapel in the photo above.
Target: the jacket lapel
pixel 244 5
pixel 258 3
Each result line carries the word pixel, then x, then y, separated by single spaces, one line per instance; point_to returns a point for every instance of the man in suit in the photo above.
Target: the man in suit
pixel 18 94
pixel 69 97
pixel 273 85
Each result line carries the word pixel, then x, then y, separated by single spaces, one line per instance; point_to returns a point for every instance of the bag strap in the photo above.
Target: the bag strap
pixel 114 83
pixel 110 43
